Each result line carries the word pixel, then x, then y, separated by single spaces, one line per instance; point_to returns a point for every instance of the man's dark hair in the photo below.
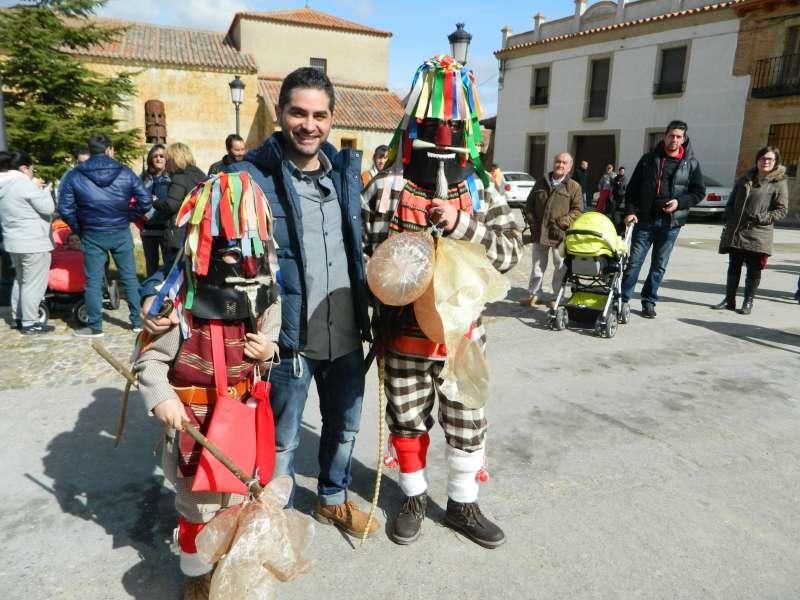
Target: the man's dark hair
pixel 234 137
pixel 99 143
pixel 79 150
pixel 381 150
pixel 11 161
pixel 494 166
pixel 306 77
pixel 676 124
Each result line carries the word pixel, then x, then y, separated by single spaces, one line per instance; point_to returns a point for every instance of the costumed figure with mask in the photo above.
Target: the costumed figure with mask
pixel 208 370
pixel 435 177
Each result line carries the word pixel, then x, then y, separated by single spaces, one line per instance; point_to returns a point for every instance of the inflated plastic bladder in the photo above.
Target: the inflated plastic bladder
pixel 401 268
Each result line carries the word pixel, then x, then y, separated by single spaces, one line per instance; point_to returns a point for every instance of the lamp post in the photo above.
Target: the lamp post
pixel 237 96
pixel 459 43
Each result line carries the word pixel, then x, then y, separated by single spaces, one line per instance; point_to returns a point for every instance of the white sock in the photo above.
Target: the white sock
pixel 414 483
pixel 192 565
pixel 463 467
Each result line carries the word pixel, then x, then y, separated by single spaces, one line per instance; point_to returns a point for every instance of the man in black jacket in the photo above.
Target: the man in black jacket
pixel 234 145
pixel 98 199
pixel 667 182
pixel 581 175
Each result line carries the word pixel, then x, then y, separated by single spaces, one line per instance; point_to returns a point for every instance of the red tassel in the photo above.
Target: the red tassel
pixel 406 149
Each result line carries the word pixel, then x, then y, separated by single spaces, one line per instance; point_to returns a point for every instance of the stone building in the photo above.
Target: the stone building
pixel 603 82
pixel 189 70
pixel 769 51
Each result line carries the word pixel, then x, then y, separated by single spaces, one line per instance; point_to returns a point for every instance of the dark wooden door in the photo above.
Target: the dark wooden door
pixel 598 151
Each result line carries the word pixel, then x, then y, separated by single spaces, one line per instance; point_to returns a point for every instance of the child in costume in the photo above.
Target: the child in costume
pixel 224 289
pixel 435 176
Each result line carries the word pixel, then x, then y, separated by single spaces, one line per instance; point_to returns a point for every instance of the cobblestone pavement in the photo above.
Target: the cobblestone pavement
pixel 59 358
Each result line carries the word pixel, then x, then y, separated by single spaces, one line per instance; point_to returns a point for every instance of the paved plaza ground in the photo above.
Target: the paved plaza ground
pixel 661 464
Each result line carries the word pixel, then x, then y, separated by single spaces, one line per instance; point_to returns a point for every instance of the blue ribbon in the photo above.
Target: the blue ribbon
pixel 473 192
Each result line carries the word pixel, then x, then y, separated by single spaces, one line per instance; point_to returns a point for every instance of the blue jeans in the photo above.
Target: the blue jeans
pixel 340 385
pixel 662 238
pixel 96 246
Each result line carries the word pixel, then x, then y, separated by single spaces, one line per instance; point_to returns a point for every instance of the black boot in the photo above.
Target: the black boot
pixel 731 285
pixel 467 518
pixel 408 522
pixel 750 287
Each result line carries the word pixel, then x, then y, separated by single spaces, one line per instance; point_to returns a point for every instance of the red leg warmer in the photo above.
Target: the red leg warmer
pixel 187 534
pixel 411 451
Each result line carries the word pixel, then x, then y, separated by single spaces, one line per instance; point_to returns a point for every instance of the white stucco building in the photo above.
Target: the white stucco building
pixel 603 83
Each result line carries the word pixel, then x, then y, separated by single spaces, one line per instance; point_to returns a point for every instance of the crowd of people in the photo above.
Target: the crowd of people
pixel 315 328
pixel 665 184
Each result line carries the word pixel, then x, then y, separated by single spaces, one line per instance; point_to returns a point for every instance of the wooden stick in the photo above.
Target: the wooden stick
pixel 251 482
pixel 118 366
pixel 122 412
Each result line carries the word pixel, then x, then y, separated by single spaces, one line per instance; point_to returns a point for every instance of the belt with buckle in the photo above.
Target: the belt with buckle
pixel 201 395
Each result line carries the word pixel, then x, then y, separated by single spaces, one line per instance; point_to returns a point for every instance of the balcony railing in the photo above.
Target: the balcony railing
pixel 777 76
pixel 664 88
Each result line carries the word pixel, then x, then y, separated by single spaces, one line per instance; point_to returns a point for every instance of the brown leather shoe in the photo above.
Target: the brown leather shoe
pixel 197 588
pixel 531 300
pixel 347 517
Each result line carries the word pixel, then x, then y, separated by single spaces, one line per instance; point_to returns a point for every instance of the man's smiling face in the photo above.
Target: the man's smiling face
pixel 306 121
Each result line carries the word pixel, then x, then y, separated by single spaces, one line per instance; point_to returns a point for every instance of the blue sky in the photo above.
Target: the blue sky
pixel 420 28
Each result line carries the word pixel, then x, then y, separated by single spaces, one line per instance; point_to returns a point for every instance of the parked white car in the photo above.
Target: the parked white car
pixel 518 185
pixel 716 199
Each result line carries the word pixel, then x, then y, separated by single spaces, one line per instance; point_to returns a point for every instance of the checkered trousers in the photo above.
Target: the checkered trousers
pixel 412 384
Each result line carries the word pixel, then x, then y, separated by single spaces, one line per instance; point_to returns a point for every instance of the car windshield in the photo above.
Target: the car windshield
pixel 712 182
pixel 518 177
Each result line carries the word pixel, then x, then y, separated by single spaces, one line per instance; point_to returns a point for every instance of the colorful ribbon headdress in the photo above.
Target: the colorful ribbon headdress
pixel 229 205
pixel 442 89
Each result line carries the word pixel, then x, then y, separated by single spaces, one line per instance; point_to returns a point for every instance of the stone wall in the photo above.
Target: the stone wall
pixel 198 107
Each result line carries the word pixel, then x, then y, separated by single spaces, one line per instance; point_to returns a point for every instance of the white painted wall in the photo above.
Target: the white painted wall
pixel 712 104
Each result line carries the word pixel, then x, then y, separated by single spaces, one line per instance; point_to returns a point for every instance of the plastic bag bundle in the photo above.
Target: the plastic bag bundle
pixel 256 545
pixel 464 282
pixel 401 268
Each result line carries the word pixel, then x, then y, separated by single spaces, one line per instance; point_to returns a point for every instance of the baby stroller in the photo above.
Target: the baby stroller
pixel 66 281
pixel 595 260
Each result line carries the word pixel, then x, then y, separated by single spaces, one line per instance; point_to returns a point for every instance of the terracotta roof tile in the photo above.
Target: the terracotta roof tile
pixel 154 44
pixel 671 15
pixel 308 17
pixel 357 107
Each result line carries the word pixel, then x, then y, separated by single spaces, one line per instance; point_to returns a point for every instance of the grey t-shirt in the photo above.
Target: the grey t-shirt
pixel 332 330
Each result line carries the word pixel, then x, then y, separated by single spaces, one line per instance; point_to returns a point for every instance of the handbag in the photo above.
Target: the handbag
pixel 232 430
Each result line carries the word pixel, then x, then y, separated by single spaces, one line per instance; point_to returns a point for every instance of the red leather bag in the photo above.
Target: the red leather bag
pixel 232 430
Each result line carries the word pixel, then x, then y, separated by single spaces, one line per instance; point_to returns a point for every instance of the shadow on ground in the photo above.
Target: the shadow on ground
pixel 763 336
pixel 122 490
pixel 118 489
pixel 718 289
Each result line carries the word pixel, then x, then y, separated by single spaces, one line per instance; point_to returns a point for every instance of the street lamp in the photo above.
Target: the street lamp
pixel 459 43
pixel 237 96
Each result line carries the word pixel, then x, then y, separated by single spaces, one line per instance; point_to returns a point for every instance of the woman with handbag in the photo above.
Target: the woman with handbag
pixel 183 175
pixel 759 200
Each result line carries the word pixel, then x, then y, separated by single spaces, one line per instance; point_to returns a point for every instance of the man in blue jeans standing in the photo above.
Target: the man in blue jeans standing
pixel 667 182
pixel 95 201
pixel 315 196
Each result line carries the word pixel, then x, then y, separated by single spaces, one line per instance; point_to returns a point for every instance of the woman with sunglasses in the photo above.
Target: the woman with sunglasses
pixel 156 180
pixel 759 200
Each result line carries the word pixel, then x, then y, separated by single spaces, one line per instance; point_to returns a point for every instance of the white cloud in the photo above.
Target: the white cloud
pixel 214 15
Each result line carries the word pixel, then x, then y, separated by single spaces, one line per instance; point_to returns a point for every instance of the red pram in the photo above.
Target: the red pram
pixel 66 281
